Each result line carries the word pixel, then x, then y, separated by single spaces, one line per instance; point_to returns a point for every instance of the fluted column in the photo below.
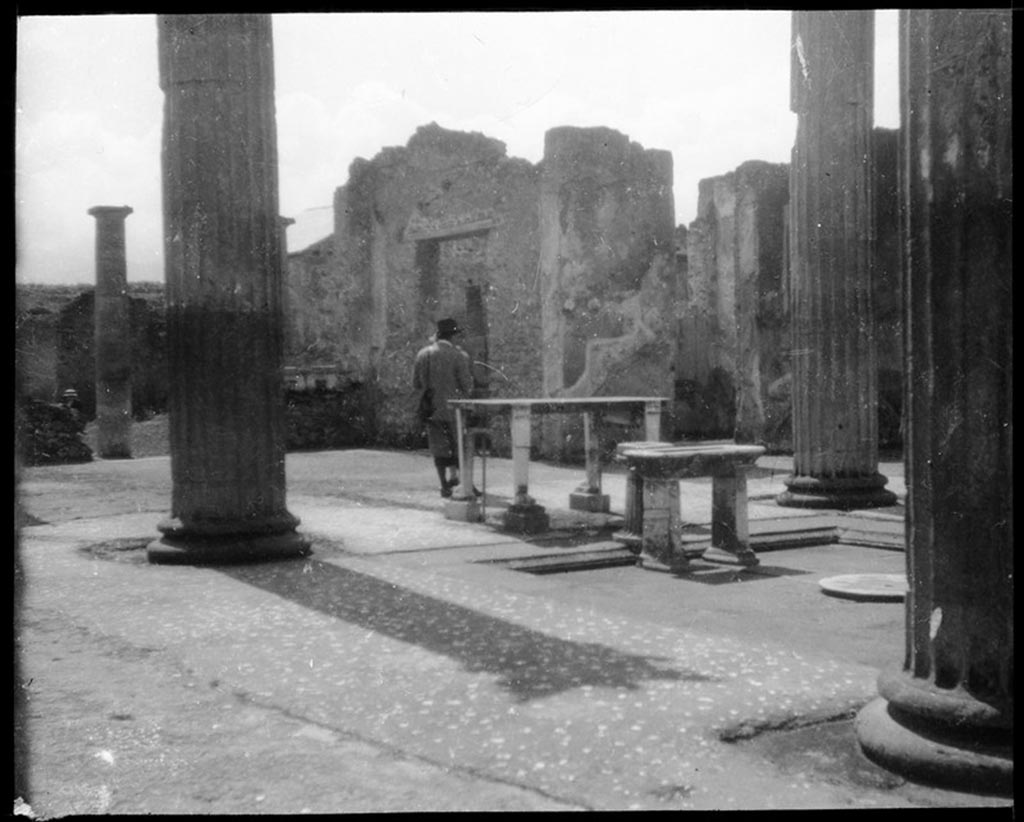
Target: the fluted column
pixel 112 325
pixel 224 293
pixel 947 717
pixel 835 402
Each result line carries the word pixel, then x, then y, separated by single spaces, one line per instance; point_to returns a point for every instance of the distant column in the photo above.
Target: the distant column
pixel 112 335
pixel 947 717
pixel 835 402
pixel 224 297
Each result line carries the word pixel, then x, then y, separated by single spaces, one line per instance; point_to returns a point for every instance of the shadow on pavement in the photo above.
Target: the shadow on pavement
pixel 529 664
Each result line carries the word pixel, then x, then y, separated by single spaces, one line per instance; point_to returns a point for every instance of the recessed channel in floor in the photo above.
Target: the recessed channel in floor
pixel 579 560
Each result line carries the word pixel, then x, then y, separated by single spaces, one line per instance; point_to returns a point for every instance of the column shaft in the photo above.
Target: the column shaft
pixel 224 292
pixel 835 429
pixel 948 715
pixel 112 323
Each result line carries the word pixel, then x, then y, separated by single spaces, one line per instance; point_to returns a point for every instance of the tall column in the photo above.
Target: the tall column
pixel 947 717
pixel 835 426
pixel 224 293
pixel 112 335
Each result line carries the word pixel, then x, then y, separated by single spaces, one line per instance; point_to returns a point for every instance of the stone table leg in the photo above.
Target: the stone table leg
pixel 524 514
pixel 652 420
pixel 729 523
pixel 631 534
pixel 661 523
pixel 588 496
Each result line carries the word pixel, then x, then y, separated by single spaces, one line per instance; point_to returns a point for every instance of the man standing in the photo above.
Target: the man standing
pixel 441 373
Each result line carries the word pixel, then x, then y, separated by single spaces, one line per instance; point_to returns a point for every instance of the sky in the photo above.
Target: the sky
pixel 711 87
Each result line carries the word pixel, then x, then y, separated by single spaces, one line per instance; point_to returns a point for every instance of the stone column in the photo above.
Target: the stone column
pixel 835 426
pixel 947 717
pixel 224 293
pixel 112 335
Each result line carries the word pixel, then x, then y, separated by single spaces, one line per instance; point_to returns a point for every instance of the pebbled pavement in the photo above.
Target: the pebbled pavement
pixel 405 667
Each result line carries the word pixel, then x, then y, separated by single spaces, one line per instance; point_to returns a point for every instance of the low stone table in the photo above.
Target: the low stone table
pixel 652 517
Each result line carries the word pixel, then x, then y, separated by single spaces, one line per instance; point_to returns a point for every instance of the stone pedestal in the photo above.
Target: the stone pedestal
pixel 112 335
pixel 947 716
pixel 224 293
pixel 653 517
pixel 835 403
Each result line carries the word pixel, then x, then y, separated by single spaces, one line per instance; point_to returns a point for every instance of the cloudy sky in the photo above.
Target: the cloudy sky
pixel 712 87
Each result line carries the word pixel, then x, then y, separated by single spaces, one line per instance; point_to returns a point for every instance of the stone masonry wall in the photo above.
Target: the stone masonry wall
pixel 312 332
pixel 732 338
pixel 75 363
pixel 415 228
pixel 732 365
pixel 608 272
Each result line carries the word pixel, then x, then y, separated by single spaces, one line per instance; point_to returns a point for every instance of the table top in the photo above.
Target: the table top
pixel 667 460
pixel 551 405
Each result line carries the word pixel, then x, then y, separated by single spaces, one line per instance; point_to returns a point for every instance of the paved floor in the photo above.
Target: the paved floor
pixel 404 666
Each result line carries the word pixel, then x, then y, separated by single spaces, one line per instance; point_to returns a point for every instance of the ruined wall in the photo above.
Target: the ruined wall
pixel 762 329
pixel 608 271
pixel 36 353
pixel 311 304
pixel 419 230
pixel 55 350
pixel 565 273
pixel 732 366
pixel 732 341
pixel 76 352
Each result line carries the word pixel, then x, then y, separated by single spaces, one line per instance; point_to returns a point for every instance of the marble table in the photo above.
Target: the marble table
pixel 525 514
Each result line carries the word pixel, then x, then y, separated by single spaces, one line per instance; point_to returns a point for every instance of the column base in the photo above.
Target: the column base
pixel 933 753
pixel 527 519
pixel 590 501
pixel 182 546
pixel 840 493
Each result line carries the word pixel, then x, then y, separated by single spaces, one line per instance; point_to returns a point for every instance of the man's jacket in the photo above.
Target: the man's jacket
pixel 444 369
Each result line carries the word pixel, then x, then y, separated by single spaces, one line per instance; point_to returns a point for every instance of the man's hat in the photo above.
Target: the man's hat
pixel 447 327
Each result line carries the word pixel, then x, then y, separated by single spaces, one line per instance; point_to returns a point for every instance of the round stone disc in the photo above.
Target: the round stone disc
pixel 867 587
